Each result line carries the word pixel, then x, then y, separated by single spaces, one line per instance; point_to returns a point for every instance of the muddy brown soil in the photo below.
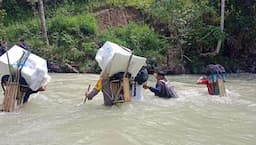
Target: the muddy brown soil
pixel 117 17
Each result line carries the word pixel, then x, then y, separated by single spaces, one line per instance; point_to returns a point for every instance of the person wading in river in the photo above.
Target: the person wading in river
pixel 204 80
pixel 103 84
pixel 162 88
pixel 214 79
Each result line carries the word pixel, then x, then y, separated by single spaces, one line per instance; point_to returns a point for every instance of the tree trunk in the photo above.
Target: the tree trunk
pixel 42 19
pixel 221 25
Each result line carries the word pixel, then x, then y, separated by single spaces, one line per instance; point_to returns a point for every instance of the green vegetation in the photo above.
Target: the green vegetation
pixel 189 26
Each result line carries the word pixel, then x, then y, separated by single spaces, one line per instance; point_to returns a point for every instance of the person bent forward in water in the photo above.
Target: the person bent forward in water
pixel 104 86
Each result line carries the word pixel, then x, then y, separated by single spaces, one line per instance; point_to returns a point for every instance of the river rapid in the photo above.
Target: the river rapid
pixel 58 117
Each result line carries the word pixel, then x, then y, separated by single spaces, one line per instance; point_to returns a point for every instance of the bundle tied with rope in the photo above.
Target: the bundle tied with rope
pixel 118 66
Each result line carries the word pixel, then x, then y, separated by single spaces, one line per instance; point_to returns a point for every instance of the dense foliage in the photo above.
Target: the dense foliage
pixel 189 26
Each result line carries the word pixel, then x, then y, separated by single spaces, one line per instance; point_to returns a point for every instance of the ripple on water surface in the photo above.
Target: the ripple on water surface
pixel 57 117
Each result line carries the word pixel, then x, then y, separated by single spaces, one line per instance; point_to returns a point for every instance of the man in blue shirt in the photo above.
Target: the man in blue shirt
pixel 160 89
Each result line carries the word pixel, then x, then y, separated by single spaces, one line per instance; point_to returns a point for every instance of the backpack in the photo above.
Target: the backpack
pixel 142 76
pixel 211 69
pixel 169 91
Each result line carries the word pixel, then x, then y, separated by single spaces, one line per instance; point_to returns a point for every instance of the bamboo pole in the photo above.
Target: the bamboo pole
pixel 12 88
pixel 126 82
pixel 221 24
pixel 222 89
pixel 10 96
pixel 126 89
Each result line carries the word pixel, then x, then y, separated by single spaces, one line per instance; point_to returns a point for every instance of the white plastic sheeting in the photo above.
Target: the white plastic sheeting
pixel 113 58
pixel 34 70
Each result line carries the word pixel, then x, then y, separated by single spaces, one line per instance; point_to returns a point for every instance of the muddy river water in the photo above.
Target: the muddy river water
pixel 57 117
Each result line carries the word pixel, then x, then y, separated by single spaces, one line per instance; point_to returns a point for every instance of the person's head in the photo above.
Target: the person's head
pixel 159 75
pixel 22 41
pixel 4 44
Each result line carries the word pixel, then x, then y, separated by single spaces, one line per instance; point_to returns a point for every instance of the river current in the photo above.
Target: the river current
pixel 58 117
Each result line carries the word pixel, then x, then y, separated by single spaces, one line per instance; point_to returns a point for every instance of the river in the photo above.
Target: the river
pixel 57 117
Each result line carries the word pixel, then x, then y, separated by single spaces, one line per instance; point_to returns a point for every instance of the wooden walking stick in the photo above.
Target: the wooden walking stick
pixel 87 91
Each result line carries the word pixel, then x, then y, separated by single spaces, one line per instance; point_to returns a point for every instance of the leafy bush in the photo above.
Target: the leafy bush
pixel 85 23
pixel 2 31
pixel 90 49
pixel 69 34
pixel 16 10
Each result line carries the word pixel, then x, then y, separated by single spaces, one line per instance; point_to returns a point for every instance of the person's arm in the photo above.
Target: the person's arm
pixel 202 81
pixel 91 94
pixel 42 88
pixel 157 90
pixel 95 90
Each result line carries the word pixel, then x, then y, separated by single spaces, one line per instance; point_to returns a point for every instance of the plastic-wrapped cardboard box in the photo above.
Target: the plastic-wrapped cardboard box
pixel 113 58
pixel 34 69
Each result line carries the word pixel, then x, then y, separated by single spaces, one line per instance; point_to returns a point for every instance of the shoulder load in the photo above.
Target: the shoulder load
pixel 34 68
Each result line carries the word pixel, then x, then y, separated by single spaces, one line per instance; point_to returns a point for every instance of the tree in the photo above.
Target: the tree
pixel 43 23
pixel 221 24
pixel 174 17
pixel 217 51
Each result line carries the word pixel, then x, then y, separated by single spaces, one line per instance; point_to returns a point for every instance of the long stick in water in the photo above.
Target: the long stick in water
pixel 88 89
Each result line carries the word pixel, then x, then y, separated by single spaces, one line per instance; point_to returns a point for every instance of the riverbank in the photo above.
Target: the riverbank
pixel 74 68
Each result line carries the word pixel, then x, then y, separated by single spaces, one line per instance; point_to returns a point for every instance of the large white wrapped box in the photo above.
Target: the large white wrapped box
pixel 113 58
pixel 34 70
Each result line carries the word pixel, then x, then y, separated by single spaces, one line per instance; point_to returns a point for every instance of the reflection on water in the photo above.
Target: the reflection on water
pixel 57 117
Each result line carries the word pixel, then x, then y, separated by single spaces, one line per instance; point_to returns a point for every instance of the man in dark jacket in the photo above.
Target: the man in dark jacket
pixel 160 89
